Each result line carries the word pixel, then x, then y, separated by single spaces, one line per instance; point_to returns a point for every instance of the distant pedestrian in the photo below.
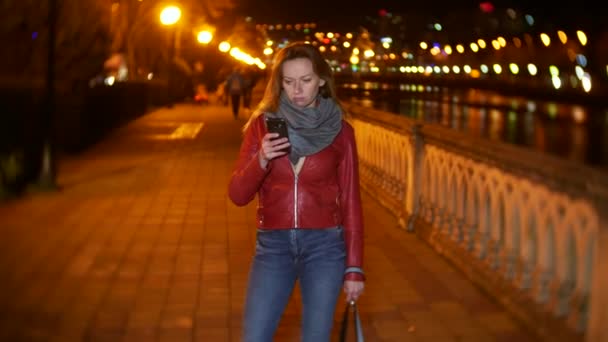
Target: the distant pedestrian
pixel 220 94
pixel 235 87
pixel 251 78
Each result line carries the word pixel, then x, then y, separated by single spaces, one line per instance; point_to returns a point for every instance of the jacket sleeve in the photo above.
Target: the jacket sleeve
pixel 350 202
pixel 247 175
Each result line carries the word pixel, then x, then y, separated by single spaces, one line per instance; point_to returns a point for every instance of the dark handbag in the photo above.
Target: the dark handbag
pixel 351 316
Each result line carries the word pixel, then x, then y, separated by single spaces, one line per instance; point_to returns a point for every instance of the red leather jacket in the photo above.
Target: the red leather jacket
pixel 324 194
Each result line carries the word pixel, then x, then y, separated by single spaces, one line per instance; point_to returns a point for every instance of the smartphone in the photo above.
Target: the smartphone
pixel 277 125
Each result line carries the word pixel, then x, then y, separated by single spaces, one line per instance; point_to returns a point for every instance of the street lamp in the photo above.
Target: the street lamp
pixel 169 16
pixel 224 46
pixel 204 37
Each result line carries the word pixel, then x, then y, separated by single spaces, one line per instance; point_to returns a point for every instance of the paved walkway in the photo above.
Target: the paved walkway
pixel 142 244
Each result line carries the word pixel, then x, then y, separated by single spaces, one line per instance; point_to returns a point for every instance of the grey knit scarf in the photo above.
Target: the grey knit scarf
pixel 310 129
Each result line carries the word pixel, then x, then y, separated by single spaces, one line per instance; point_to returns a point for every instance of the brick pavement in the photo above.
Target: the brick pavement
pixel 142 244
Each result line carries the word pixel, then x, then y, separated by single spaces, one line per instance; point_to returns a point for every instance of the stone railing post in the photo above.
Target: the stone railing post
pixel 414 176
pixel 598 303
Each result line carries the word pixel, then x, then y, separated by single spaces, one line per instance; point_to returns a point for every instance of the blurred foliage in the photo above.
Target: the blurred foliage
pixel 89 32
pixel 137 32
pixel 82 40
pixel 11 166
pixel 246 37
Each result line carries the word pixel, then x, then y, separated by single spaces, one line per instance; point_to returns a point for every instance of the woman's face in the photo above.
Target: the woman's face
pixel 300 82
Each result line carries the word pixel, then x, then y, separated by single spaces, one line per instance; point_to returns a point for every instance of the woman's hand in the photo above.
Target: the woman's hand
pixel 272 148
pixel 353 289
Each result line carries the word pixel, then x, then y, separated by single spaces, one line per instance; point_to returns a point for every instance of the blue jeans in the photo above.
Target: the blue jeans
pixel 314 257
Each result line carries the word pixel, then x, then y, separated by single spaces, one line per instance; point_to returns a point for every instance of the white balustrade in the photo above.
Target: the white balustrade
pixel 538 234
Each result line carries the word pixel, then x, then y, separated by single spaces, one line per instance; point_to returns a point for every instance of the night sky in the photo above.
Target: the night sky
pixel 321 10
pixel 351 11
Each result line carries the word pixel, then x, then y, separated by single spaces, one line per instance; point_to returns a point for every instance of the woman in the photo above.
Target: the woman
pixel 309 209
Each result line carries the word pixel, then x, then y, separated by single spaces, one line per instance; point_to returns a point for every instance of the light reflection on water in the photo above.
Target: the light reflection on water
pixel 570 131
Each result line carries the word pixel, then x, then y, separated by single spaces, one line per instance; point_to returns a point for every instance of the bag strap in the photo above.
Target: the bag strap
pixel 358 326
pixel 352 306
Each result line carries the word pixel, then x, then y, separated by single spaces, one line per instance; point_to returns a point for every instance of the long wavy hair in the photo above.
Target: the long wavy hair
pixel 270 101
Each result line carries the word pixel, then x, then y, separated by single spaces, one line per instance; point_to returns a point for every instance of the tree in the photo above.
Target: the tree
pixel 246 36
pixel 136 29
pixel 38 62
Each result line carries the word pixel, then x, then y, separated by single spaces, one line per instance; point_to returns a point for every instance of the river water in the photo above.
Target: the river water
pixel 572 131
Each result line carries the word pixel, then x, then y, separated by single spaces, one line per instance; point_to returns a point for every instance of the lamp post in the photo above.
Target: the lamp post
pixel 169 16
pixel 47 176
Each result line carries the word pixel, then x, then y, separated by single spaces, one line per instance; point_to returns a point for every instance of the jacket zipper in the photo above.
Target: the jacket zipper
pixel 295 200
